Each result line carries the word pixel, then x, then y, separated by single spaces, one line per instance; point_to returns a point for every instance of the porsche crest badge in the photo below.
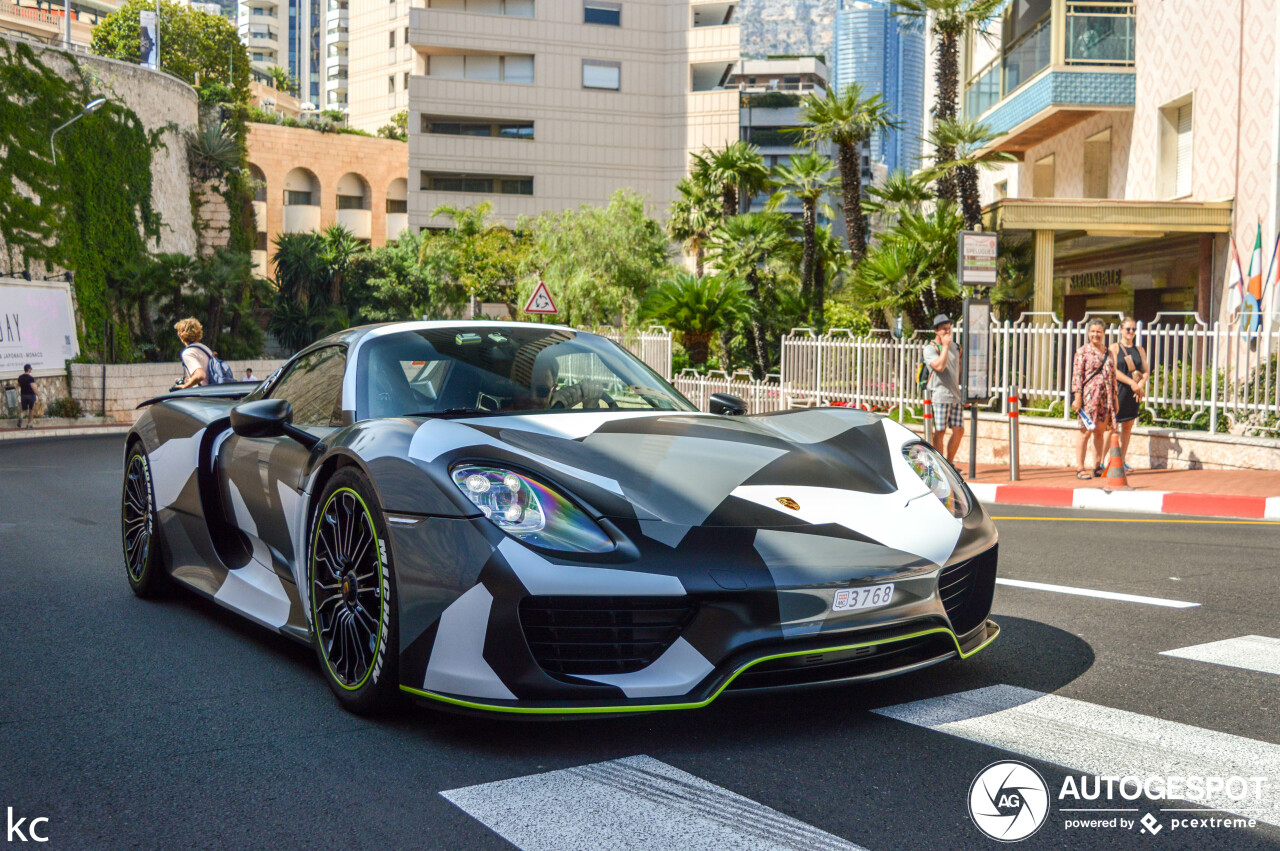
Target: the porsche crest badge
pixel 789 503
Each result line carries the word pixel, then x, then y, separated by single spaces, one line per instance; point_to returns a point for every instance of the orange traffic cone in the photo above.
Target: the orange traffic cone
pixel 1115 478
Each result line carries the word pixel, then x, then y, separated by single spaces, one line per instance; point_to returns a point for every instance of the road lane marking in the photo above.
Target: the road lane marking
pixel 1105 595
pixel 1102 741
pixel 1135 520
pixel 1251 652
pixel 633 803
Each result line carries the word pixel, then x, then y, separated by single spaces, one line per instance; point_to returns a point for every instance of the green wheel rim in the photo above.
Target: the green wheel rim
pixel 348 589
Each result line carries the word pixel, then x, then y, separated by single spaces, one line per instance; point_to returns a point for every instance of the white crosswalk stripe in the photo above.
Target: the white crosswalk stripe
pixel 1251 652
pixel 1090 592
pixel 633 803
pixel 1102 741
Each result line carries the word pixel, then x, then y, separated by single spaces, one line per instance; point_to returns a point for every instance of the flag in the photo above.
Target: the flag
pixel 1271 284
pixel 1235 287
pixel 1251 315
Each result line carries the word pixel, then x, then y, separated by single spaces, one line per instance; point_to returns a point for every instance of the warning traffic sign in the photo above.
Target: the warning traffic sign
pixel 540 301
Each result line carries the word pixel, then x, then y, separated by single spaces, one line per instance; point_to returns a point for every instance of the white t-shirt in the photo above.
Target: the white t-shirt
pixel 196 356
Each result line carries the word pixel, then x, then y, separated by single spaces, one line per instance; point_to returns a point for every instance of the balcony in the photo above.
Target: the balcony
pixel 260 215
pixel 397 223
pixel 259 263
pixel 359 222
pixel 1077 62
pixel 301 218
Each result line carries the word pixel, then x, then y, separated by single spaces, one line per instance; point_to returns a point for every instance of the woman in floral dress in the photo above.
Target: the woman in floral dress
pixel 1093 390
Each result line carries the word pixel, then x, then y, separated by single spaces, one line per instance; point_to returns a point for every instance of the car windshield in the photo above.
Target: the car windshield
pixel 477 370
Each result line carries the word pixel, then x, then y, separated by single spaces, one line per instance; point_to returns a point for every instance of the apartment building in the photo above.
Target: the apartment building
pixel 45 20
pixel 1145 134
pixel 874 50
pixel 381 62
pixel 306 37
pixel 769 93
pixel 538 105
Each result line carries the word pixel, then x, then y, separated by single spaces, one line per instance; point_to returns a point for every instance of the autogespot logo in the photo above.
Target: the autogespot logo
pixel 1008 801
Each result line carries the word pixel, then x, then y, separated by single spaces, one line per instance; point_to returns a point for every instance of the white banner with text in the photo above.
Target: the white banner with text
pixel 37 327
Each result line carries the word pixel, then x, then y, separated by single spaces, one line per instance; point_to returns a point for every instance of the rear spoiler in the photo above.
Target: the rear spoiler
pixel 226 390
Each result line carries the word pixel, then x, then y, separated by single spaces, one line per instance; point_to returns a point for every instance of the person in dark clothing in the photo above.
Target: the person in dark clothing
pixel 27 394
pixel 1132 372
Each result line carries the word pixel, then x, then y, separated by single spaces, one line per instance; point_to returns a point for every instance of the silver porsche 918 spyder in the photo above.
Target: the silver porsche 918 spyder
pixel 521 518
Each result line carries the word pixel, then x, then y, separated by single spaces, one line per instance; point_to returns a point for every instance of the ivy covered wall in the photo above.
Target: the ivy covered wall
pixel 119 187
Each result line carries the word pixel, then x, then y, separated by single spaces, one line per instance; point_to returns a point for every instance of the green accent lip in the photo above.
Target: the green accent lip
pixel 666 707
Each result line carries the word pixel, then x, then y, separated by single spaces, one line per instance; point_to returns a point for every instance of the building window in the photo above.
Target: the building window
pixel 444 125
pixel 391 84
pixel 1097 165
pixel 1176 131
pixel 601 75
pixel 1002 190
pixel 510 8
pixel 297 199
pixel 1042 177
pixel 406 35
pixel 391 39
pixel 406 81
pixel 397 205
pixel 605 14
pixel 515 68
pixel 350 202
pixel 479 183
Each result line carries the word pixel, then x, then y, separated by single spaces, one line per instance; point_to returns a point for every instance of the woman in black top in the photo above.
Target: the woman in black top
pixel 1131 380
pixel 27 391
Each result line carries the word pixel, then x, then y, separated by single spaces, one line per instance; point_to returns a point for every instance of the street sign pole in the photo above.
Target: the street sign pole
pixel 975 269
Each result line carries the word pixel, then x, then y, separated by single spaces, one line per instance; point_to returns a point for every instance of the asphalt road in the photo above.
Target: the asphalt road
pixel 175 724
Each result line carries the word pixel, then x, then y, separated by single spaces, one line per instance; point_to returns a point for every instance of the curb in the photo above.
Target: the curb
pixel 65 431
pixel 1143 502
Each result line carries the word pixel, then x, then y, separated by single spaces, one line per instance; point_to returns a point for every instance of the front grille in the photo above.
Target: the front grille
pixel 966 589
pixel 835 665
pixel 575 636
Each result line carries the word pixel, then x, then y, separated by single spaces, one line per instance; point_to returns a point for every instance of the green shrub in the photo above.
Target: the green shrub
pixel 65 408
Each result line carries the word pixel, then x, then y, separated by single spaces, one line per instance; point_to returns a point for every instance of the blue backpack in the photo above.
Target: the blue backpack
pixel 216 370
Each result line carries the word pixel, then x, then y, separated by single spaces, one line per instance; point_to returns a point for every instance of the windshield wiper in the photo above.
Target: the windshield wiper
pixel 449 413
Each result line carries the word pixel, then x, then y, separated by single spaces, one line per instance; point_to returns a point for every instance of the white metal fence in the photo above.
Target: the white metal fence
pixel 1202 376
pixel 652 346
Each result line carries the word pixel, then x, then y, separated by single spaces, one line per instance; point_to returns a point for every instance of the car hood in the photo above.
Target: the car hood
pixel 810 467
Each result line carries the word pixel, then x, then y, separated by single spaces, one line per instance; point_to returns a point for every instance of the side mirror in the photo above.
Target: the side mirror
pixel 727 404
pixel 269 418
pixel 263 418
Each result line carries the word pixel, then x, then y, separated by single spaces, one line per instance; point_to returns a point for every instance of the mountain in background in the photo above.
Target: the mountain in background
pixel 794 27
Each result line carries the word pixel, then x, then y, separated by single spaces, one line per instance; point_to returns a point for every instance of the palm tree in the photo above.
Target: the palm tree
pixel 467 221
pixel 339 247
pixel 965 139
pixel 807 177
pixel 693 215
pixel 282 80
pixel 740 247
pixel 950 20
pixel 899 193
pixel 846 120
pixel 737 170
pixel 912 268
pixel 831 262
pixel 301 271
pixel 697 307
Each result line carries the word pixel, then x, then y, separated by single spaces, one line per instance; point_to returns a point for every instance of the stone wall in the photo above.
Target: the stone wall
pixel 48 388
pixel 213 219
pixel 160 102
pixel 1044 442
pixel 128 385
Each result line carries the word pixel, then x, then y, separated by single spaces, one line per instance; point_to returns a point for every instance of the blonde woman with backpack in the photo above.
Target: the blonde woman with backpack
pixel 200 364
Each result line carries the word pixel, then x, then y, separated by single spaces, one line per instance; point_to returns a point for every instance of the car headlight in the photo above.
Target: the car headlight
pixel 938 476
pixel 530 510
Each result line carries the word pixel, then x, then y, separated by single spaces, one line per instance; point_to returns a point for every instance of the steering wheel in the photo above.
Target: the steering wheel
pixel 608 400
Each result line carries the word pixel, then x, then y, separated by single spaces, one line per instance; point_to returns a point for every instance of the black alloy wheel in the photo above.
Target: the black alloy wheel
pixel 352 612
pixel 138 527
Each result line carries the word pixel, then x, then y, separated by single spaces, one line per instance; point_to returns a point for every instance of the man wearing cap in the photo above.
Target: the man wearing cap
pixel 943 358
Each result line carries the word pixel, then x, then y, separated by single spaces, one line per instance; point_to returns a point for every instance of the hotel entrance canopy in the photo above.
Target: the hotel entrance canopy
pixel 1137 225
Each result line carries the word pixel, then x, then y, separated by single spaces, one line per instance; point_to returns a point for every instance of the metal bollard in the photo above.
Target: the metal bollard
pixel 927 416
pixel 1013 434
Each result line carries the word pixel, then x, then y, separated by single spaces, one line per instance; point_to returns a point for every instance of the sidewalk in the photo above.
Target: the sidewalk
pixel 1221 493
pixel 63 431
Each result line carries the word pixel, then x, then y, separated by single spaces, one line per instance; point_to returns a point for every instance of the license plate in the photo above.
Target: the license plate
pixel 870 597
